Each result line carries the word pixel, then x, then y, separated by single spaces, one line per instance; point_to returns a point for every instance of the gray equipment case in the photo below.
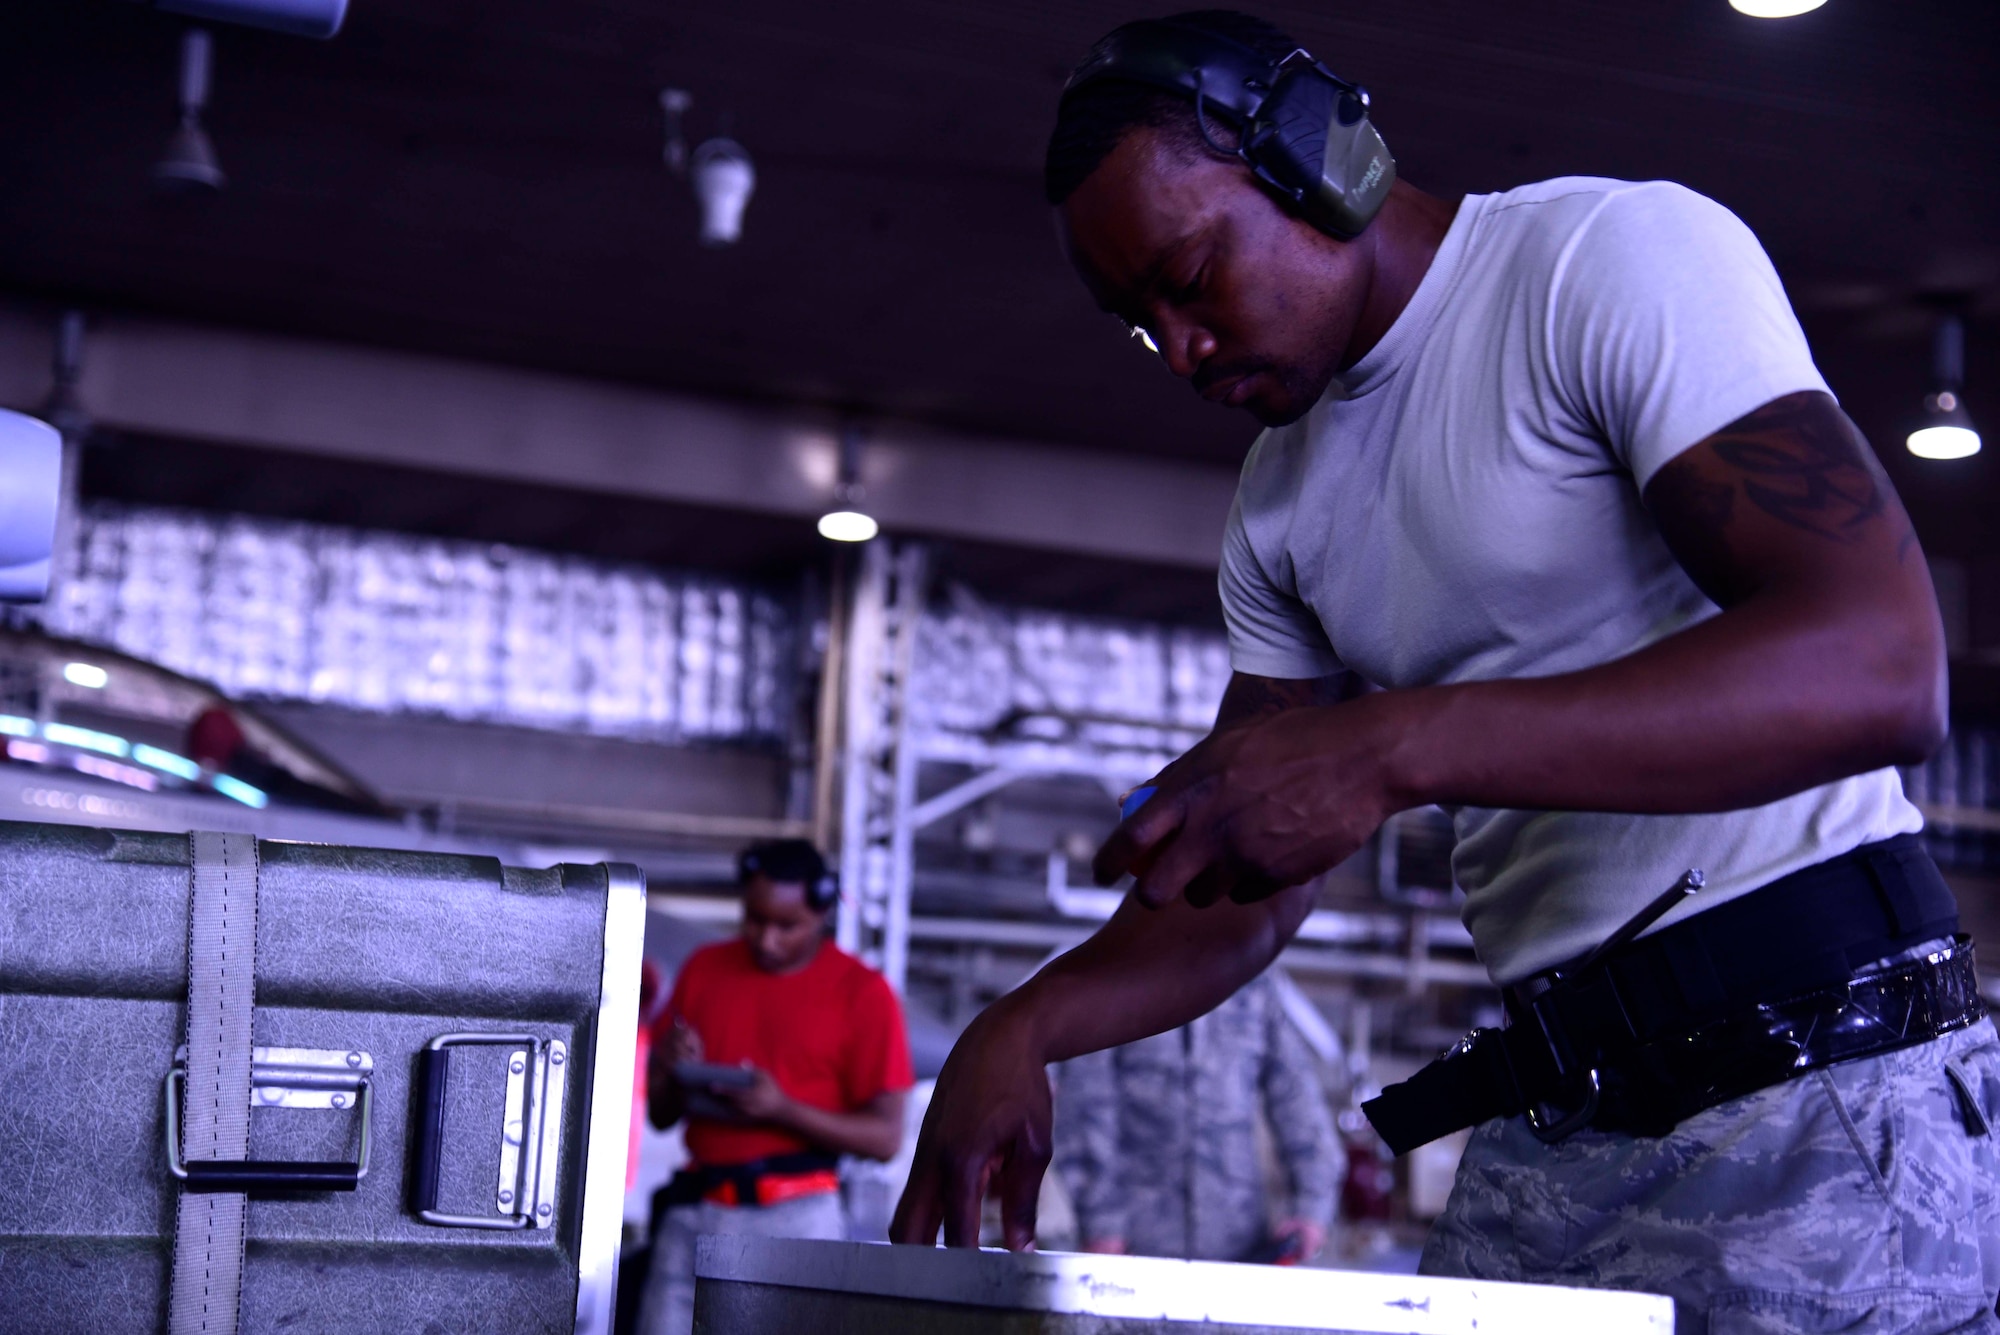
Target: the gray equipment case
pixel 456 1035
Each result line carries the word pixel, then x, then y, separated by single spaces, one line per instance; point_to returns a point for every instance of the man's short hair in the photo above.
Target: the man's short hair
pixel 1097 118
pixel 786 862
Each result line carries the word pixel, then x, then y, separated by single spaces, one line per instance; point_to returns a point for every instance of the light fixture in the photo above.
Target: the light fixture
pixel 720 170
pixel 1139 332
pixel 724 180
pixel 847 526
pixel 1775 9
pixel 1946 430
pixel 847 521
pixel 87 675
pixel 189 165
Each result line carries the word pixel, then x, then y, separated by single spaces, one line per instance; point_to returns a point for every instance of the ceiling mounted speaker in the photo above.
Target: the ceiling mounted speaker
pixel 300 18
pixel 189 166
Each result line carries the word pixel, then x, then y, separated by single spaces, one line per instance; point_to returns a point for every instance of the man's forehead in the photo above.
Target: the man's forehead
pixel 1145 201
pixel 775 891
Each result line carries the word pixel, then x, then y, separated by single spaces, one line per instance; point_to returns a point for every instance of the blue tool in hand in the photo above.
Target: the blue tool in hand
pixel 1135 799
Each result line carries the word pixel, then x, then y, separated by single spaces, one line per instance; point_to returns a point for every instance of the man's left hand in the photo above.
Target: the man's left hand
pixel 760 1101
pixel 1261 805
pixel 1311 1237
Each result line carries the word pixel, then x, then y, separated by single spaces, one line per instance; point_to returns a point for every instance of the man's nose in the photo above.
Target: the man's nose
pixel 1184 346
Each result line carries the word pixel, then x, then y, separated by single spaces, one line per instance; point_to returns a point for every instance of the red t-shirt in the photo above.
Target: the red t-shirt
pixel 830 1034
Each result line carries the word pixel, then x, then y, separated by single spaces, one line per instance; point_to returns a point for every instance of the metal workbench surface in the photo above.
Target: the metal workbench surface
pixel 773 1276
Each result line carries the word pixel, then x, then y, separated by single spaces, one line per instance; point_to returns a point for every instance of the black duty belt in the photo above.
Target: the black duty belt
pixel 1642 1034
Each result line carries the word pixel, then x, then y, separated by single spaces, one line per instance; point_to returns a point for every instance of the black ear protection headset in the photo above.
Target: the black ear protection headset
pixel 1302 130
pixel 822 884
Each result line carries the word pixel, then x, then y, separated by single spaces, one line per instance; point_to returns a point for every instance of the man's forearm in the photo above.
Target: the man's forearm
pixel 1829 660
pixel 1150 970
pixel 871 1133
pixel 1768 699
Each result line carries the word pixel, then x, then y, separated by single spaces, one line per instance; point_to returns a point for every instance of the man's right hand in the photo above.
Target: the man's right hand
pixel 683 1043
pixel 1144 972
pixel 666 1101
pixel 988 1123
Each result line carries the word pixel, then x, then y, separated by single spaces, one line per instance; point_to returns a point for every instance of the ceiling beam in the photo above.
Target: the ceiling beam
pixel 453 416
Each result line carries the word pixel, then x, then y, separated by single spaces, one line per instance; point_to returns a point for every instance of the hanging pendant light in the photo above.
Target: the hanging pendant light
pixel 847 521
pixel 189 166
pixel 1946 431
pixel 724 180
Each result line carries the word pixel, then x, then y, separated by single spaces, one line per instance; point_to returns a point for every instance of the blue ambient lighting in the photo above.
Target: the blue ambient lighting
pixel 178 766
pixel 87 739
pixel 241 791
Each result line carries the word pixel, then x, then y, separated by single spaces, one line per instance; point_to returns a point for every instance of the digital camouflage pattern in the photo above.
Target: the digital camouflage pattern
pixel 1864 1197
pixel 1156 1141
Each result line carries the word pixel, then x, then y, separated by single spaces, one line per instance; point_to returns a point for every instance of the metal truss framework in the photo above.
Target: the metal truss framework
pixel 886 751
pixel 879 781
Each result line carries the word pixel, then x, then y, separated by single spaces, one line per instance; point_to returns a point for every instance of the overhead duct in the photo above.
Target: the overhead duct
pixel 300 18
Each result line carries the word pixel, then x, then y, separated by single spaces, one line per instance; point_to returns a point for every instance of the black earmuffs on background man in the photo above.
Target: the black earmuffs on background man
pixel 788 860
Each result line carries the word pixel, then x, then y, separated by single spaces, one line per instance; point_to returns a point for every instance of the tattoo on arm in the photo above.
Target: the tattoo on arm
pixel 1801 461
pixel 1797 460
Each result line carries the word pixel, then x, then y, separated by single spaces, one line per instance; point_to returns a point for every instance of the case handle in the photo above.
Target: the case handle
pixel 530 1133
pixel 281 1077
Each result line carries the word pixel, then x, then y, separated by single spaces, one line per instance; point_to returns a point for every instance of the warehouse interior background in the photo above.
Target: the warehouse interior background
pixel 437 443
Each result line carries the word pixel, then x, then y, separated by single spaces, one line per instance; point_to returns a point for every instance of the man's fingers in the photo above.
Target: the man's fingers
pixel 1180 861
pixel 921 1210
pixel 965 1192
pixel 1021 1193
pixel 1250 887
pixel 1210 885
pixel 1136 838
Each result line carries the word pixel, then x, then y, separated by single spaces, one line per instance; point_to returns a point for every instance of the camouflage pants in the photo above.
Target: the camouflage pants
pixel 1864 1197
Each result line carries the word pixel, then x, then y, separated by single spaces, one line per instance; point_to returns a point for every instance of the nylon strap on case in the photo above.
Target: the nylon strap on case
pixel 222 956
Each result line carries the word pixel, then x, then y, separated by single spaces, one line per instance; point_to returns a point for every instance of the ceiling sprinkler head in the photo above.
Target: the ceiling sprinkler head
pixel 674 104
pixel 189 166
pixel 723 180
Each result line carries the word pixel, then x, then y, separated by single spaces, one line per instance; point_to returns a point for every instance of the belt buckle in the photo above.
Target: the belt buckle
pixel 1553 1125
pixel 1578 1085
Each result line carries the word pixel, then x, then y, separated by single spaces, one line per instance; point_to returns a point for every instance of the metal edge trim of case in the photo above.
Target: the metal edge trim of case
pixel 613 1051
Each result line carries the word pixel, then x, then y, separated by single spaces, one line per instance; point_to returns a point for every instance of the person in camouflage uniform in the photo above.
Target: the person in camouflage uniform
pixel 1157 1140
pixel 1782 1211
pixel 1553 470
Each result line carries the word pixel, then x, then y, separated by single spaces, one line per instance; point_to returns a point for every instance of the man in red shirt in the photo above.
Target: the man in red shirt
pixel 821 1068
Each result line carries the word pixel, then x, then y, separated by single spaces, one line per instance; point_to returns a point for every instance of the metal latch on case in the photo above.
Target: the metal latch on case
pixel 332 1078
pixel 530 1130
